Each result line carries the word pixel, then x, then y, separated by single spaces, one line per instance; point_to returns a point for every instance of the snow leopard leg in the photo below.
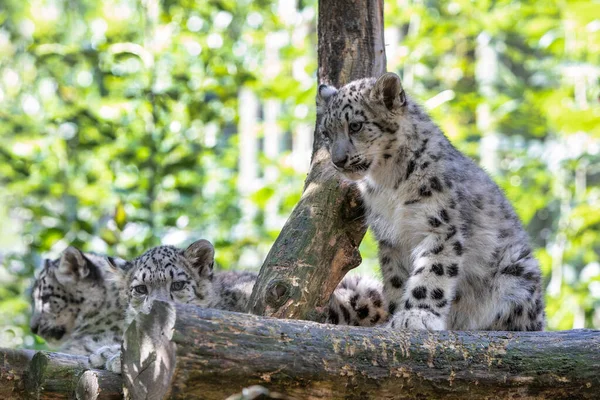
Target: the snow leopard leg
pixel 428 292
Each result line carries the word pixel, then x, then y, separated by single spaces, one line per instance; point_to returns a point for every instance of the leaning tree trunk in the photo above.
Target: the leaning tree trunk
pixel 319 242
pixel 219 353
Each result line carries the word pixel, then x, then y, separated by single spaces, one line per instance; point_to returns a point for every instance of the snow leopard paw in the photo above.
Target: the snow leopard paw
pixel 108 357
pixel 416 319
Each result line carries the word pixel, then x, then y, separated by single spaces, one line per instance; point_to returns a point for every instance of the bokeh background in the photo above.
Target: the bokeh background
pixel 125 124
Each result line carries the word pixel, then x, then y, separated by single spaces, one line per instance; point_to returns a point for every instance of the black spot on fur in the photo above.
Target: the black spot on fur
pixel 441 304
pixel 392 307
pixel 420 292
pixel 457 297
pixel 345 312
pixel 375 297
pixel 334 318
pixel 448 181
pixel 437 294
pixel 353 300
pixel 444 216
pixel 433 221
pixel 458 248
pixel 478 202
pixel 410 168
pixel 438 249
pixel 451 232
pixel 525 253
pixel 396 282
pixel 363 312
pixel 424 191
pixel 408 305
pixel 518 311
pixel 514 269
pixel 504 233
pixel 452 270
pixel 435 184
pixel 437 269
pixel 418 271
pixel 375 319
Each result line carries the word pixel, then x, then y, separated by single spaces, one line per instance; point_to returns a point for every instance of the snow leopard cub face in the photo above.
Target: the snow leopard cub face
pixel 65 290
pixel 173 275
pixel 359 122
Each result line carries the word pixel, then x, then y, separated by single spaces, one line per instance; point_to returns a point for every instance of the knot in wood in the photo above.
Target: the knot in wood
pixel 278 292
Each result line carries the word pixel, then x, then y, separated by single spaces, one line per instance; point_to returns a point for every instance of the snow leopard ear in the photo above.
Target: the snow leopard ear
pixel 388 90
pixel 324 94
pixel 117 268
pixel 201 254
pixel 72 266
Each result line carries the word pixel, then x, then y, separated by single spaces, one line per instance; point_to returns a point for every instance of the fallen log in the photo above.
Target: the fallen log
pixel 26 374
pixel 219 353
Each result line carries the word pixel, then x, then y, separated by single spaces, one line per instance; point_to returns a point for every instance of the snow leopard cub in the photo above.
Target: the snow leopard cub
pixel 452 251
pixel 186 276
pixel 75 302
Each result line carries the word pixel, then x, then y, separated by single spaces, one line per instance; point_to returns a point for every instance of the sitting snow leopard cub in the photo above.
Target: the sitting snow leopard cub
pixel 453 253
pixel 76 302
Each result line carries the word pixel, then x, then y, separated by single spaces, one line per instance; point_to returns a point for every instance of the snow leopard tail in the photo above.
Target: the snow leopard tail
pixel 358 301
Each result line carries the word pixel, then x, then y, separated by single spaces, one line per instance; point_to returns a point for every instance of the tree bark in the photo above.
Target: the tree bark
pixel 319 242
pixel 219 353
pixel 26 374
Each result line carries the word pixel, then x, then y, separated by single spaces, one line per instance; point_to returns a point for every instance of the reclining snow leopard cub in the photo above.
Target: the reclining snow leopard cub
pixel 92 324
pixel 453 253
pixel 76 304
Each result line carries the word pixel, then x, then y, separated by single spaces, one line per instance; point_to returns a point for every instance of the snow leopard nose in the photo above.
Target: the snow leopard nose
pixel 339 153
pixel 339 160
pixel 34 328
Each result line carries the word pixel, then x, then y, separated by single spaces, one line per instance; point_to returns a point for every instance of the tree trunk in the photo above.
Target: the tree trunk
pixel 319 242
pixel 25 374
pixel 219 353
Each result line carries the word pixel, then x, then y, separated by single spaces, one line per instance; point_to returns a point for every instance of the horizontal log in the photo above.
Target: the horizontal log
pixel 219 353
pixel 26 374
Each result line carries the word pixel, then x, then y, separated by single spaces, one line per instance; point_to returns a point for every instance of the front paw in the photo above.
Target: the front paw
pixel 416 319
pixel 108 357
pixel 113 364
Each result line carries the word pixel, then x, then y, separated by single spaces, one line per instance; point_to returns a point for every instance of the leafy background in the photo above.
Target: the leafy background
pixel 119 127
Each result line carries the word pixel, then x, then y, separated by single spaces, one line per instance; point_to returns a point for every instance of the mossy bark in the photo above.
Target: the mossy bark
pixel 319 242
pixel 25 374
pixel 220 353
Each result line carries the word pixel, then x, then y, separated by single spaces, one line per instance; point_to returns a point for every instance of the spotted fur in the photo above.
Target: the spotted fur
pixel 453 253
pixel 76 303
pixel 358 301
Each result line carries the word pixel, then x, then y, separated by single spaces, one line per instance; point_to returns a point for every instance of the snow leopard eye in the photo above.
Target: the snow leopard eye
pixel 326 134
pixel 141 289
pixel 176 286
pixel 355 126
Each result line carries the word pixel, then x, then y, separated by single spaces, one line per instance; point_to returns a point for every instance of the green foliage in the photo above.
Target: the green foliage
pixel 118 126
